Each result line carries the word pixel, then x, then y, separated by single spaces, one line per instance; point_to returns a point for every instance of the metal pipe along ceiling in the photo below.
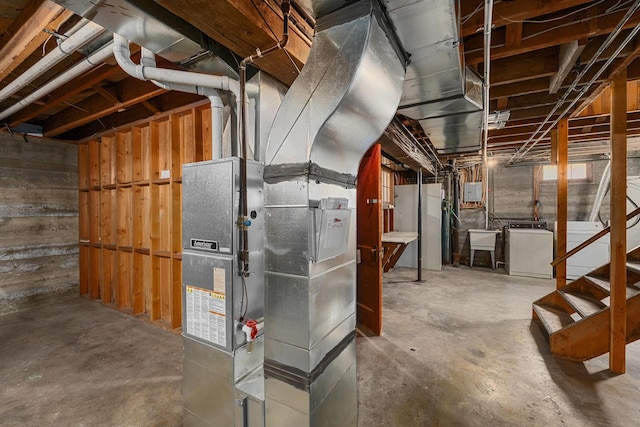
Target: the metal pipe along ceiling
pixel 530 143
pixel 77 40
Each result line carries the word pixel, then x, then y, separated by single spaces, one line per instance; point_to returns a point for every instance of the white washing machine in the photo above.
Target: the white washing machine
pixel 529 252
pixel 591 257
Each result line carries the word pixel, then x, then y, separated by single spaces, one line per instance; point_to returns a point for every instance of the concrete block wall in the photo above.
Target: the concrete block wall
pixel 38 221
pixel 511 197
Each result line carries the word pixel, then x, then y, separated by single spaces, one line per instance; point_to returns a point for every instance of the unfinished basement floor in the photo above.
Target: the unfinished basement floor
pixel 457 350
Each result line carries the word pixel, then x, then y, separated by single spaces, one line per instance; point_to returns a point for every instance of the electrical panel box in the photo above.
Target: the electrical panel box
pixel 472 192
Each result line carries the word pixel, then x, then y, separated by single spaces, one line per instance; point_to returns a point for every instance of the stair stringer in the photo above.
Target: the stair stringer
pixel 589 337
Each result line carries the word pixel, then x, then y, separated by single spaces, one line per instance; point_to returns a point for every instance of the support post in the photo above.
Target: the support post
pixel 562 159
pixel 419 224
pixel 618 271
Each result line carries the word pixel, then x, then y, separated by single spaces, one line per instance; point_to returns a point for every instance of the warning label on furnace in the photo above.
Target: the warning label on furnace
pixel 206 315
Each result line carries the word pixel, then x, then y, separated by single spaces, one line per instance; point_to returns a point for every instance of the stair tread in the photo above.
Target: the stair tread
pixel 583 304
pixel 601 283
pixel 633 266
pixel 605 285
pixel 551 318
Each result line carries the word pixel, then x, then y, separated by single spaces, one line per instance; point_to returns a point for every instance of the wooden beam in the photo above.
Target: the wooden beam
pixel 89 79
pixel 533 112
pixel 165 103
pixel 506 12
pixel 96 106
pixel 107 95
pixel 542 63
pixel 601 105
pixel 63 93
pixel 596 22
pixel 618 266
pixel 27 33
pixel 529 101
pixel 562 146
pixel 620 67
pixel 513 35
pixel 567 57
pixel 525 87
pixel 244 26
pixel 152 108
pixel 595 43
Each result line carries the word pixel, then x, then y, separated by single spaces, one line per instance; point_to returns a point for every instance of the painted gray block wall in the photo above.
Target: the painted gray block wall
pixel 511 198
pixel 38 221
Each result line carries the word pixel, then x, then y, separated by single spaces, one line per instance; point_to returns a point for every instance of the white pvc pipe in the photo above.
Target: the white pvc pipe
pixel 217 125
pixel 80 38
pixel 94 59
pixel 182 81
pixel 148 59
pixel 142 72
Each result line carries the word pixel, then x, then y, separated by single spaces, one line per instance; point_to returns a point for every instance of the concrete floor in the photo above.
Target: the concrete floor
pixel 457 350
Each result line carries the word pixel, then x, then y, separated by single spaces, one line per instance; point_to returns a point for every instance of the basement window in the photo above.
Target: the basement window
pixel 576 171
pixel 387 187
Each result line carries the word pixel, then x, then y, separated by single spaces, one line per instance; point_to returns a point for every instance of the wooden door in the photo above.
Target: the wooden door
pixel 369 287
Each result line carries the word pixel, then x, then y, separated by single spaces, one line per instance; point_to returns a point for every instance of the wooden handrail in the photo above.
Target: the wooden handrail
pixel 590 240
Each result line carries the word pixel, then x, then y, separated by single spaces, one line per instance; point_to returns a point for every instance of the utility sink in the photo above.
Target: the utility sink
pixel 483 240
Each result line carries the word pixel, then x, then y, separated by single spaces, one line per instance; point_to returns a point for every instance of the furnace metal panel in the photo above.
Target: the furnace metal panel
pixel 203 271
pixel 209 207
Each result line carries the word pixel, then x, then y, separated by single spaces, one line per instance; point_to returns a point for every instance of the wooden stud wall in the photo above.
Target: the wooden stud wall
pixel 130 188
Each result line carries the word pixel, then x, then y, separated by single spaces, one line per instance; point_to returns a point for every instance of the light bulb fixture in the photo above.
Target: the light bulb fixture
pixel 498 119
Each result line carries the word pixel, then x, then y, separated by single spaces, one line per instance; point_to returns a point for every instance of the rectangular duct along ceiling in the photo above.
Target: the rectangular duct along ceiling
pixel 439 91
pixel 149 25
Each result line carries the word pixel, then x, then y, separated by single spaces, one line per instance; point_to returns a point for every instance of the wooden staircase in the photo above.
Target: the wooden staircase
pixel 576 318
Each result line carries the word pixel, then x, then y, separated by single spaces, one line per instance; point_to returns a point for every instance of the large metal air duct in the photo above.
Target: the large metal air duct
pixel 336 109
pixel 439 91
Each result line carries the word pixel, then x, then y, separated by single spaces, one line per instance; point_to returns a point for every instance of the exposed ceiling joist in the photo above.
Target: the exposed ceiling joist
pixel 594 22
pixel 63 93
pixel 130 91
pixel 507 12
pixel 542 63
pixel 618 67
pixel 31 29
pixel 243 27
